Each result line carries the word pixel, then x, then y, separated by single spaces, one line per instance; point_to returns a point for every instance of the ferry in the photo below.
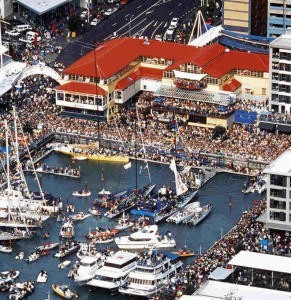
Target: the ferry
pixel 152 273
pixel 146 238
pixel 113 274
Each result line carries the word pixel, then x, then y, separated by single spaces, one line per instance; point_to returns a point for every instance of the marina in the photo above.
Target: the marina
pixel 199 237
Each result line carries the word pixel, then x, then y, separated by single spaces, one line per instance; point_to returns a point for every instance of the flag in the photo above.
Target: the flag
pixel 127 166
pixel 186 170
pixel 140 169
pixel 181 188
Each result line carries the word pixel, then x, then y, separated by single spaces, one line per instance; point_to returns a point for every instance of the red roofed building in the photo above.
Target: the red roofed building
pixel 118 69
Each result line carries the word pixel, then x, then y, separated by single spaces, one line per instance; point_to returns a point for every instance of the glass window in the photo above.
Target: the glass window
pixel 278 193
pixel 278 180
pixel 277 204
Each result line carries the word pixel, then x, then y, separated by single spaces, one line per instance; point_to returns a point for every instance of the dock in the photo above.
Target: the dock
pixel 55 173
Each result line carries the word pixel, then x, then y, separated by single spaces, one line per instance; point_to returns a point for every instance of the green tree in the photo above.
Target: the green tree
pixel 218 131
pixel 74 23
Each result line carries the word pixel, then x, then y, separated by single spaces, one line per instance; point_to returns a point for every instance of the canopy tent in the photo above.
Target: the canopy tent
pixel 190 76
pixel 220 273
pixel 262 261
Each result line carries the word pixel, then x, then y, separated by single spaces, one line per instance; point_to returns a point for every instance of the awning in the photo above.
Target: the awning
pixel 267 126
pixel 262 261
pixel 191 76
pixel 284 128
pixel 220 273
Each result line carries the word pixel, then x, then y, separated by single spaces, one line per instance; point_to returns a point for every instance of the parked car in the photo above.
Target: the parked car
pixel 13 32
pixel 158 37
pixel 174 22
pixel 110 11
pixel 94 22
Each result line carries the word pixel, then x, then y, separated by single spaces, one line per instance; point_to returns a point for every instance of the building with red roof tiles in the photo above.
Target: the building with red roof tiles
pixel 115 71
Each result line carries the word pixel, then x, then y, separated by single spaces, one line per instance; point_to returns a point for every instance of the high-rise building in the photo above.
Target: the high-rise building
pixel 246 16
pixel 278 192
pixel 280 74
pixel 279 17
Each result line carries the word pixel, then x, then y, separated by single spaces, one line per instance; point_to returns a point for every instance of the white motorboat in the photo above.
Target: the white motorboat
pixel 67 249
pixel 146 238
pixel 200 214
pixel 47 246
pixel 42 277
pixel 87 268
pixel 67 230
pixel 80 216
pixel 20 256
pixel 8 276
pixel 102 240
pixel 64 264
pixel 5 249
pixel 94 211
pixel 152 273
pixel 82 192
pixel 185 214
pixel 79 157
pixel 112 275
pixel 124 222
pixel 32 257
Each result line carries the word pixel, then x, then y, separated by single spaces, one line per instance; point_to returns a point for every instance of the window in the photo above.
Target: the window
pixel 277 216
pixel 264 91
pixel 277 204
pixel 278 193
pixel 278 180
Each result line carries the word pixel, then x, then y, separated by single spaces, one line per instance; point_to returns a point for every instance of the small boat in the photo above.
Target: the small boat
pixel 185 214
pixel 200 214
pixel 82 192
pixel 20 255
pixel 101 232
pixel 124 222
pixel 21 290
pixel 42 277
pixel 63 291
pixel 8 276
pixel 5 249
pixel 79 157
pixel 67 249
pixel 34 256
pixel 80 216
pixel 185 252
pixel 64 264
pixel 47 246
pixel 104 240
pixel 67 230
pixel 94 211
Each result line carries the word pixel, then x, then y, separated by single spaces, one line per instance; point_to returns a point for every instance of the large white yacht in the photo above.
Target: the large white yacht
pixel 88 268
pixel 112 275
pixel 153 272
pixel 146 238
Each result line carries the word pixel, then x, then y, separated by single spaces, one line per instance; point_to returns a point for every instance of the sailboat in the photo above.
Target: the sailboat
pixel 103 193
pixel 82 192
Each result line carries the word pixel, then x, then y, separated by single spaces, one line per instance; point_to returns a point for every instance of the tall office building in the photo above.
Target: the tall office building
pixel 280 74
pixel 245 16
pixel 279 17
pixel 278 192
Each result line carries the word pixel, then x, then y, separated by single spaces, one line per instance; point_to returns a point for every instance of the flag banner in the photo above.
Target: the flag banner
pixel 127 166
pixel 186 170
pixel 181 188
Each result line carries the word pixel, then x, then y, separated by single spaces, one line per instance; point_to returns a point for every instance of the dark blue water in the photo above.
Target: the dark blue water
pixel 217 190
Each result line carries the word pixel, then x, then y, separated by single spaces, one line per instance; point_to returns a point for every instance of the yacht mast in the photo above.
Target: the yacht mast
pixel 7 167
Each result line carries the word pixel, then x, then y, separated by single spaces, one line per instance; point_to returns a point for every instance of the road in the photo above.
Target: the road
pixel 145 18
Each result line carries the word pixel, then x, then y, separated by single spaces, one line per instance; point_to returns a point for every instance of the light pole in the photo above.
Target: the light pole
pixel 129 32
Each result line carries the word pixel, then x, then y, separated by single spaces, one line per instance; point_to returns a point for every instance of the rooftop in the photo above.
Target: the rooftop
pixel 82 88
pixel 262 261
pixel 120 257
pixel 283 41
pixel 219 290
pixel 215 60
pixel 281 165
pixel 41 6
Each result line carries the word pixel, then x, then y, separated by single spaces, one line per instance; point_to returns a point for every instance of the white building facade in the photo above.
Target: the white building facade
pixel 279 192
pixel 280 74
pixel 6 8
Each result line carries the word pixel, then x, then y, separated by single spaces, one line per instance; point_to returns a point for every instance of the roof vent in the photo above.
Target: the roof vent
pixel 146 41
pixel 227 50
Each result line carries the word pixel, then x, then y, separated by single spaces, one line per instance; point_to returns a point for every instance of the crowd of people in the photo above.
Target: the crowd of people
pixel 246 235
pixel 38 114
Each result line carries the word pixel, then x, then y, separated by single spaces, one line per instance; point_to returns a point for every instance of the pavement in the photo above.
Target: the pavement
pixel 145 18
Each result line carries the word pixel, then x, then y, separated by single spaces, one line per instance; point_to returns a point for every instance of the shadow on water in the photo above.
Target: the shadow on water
pixel 217 191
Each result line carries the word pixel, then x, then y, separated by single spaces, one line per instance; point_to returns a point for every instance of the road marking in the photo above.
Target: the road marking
pixel 149 12
pixel 114 24
pixel 131 29
pixel 153 34
pixel 155 24
pixel 126 16
pixel 170 13
pixel 166 24
pixel 149 24
pixel 180 4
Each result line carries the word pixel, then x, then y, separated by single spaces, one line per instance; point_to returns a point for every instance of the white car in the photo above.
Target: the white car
pixel 110 11
pixel 13 32
pixel 94 22
pixel 158 37
pixel 174 22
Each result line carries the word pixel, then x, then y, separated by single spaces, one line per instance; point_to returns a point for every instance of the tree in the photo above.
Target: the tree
pixel 75 23
pixel 218 131
pixel 28 127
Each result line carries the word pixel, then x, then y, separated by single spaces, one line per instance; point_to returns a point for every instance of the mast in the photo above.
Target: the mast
pixel 7 168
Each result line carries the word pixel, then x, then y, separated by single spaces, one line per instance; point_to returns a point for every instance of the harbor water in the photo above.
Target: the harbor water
pixel 218 191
